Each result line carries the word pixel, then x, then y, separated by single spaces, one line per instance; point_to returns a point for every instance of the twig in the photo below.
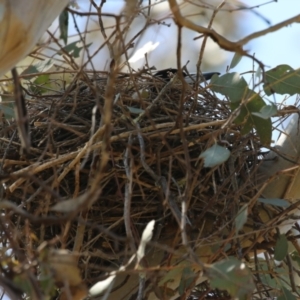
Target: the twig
pixel 128 164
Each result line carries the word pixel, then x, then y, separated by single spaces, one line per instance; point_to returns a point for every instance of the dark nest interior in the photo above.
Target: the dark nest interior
pixel 146 165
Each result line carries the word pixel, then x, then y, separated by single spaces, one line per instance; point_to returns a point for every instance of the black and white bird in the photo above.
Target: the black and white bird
pixel 167 74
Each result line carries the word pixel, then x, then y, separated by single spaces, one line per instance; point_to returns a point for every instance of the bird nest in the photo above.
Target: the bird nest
pixel 136 142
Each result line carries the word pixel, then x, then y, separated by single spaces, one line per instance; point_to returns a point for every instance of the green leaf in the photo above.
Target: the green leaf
pixel 216 247
pixel 63 25
pixel 40 84
pixel 233 276
pixel 266 112
pixel 73 49
pixel 286 295
pixel 187 279
pixel 235 60
pixel 173 273
pixel 275 202
pixel 24 283
pixel 214 156
pixel 236 89
pixel 269 280
pixel 295 257
pixel 241 218
pixel 231 85
pixel 37 68
pixel 32 69
pixel 46 280
pixel 281 248
pixel 282 80
pixel 134 110
pixel 248 121
pixel 7 107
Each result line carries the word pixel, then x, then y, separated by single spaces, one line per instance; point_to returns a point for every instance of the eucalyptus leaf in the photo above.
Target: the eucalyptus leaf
pixel 235 60
pixel 7 108
pixel 188 276
pixel 295 257
pixel 37 68
pixel 247 102
pixel 233 276
pixel 286 295
pixel 231 85
pixel 73 49
pixel 41 84
pixel 281 248
pixel 266 112
pixel 282 80
pixel 135 110
pixel 275 202
pixel 64 25
pixel 171 274
pixel 215 156
pixel 249 121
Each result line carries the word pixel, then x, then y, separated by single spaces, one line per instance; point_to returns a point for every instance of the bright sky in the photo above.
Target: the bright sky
pixel 280 47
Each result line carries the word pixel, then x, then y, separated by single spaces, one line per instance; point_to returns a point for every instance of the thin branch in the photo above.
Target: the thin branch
pixel 219 39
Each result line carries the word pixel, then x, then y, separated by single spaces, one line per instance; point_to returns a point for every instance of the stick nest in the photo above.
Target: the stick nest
pixel 145 165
